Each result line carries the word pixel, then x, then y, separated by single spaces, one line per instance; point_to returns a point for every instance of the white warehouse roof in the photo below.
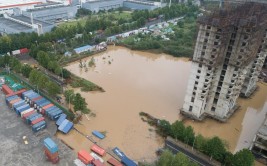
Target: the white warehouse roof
pixel 18 3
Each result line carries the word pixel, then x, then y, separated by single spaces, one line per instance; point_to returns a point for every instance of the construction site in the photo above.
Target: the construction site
pixel 228 58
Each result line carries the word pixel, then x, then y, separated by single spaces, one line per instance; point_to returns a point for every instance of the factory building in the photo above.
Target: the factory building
pixel 17 24
pixel 229 43
pixel 51 12
pixel 7 6
pixel 142 5
pixel 97 5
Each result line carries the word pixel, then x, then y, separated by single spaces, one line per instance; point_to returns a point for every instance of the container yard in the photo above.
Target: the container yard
pixel 20 145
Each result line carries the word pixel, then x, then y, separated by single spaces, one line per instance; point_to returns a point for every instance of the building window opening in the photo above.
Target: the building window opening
pixel 190 108
pixel 197 77
pixel 213 109
pixel 192 99
pixel 199 71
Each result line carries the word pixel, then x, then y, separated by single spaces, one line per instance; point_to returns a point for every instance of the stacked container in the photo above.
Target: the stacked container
pixel 51 150
pixel 85 157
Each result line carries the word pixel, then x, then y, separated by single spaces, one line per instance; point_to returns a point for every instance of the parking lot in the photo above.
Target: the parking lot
pixel 13 150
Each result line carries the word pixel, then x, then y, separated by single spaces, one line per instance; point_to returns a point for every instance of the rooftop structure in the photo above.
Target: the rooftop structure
pixel 7 6
pixel 228 42
pixel 142 5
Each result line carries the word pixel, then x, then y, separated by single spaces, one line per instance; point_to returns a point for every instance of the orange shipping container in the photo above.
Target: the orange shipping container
pixel 13 102
pixel 85 157
pixel 7 90
pixel 114 162
pixel 46 107
pixel 17 93
pixel 98 150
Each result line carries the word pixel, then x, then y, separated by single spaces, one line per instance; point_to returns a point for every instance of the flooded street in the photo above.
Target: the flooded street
pixel 137 81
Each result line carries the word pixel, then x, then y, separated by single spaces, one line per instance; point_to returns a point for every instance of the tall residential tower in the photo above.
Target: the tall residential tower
pixel 230 47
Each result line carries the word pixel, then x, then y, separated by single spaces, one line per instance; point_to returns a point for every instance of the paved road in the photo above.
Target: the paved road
pixel 175 149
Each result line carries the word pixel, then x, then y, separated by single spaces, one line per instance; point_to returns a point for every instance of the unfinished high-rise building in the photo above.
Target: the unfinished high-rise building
pixel 229 53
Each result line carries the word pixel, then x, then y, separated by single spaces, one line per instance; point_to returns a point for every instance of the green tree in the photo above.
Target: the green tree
pixel 165 159
pixel 178 129
pixel 165 127
pixel 181 160
pixel 43 58
pixel 243 158
pixel 26 70
pixel 69 96
pixel 79 103
pixel 200 143
pixel 52 88
pixel 189 135
pixel 215 148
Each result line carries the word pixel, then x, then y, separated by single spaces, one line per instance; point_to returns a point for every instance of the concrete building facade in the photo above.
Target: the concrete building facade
pixel 228 41
pixel 142 5
pixel 97 5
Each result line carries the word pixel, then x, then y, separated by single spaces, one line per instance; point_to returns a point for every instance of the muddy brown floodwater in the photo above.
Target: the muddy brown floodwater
pixel 137 81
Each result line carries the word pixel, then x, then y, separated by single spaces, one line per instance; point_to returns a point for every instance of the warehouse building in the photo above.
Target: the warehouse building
pixel 17 24
pixel 142 5
pixel 51 12
pixel 97 5
pixel 83 49
pixel 7 6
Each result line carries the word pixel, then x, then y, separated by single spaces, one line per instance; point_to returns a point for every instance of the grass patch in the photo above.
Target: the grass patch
pixel 85 85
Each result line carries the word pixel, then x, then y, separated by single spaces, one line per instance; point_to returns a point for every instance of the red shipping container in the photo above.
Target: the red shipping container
pixel 35 99
pixel 49 155
pixel 114 162
pixel 38 120
pixel 7 90
pixel 85 157
pixel 13 102
pixel 24 50
pixel 17 93
pixel 97 163
pixel 46 107
pixel 55 161
pixel 28 114
pixel 98 150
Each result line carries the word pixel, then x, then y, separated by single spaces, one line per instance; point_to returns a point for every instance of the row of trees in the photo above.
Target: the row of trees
pixel 37 78
pixel 213 147
pixel 77 100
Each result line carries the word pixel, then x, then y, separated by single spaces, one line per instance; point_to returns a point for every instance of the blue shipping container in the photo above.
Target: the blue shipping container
pixel 43 104
pixel 61 119
pixel 55 115
pixel 35 117
pixel 11 98
pixel 25 93
pixel 39 126
pixel 50 112
pixel 50 145
pixel 37 102
pixel 98 134
pixel 118 152
pixel 18 104
pixel 68 127
pixel 63 124
pixel 128 162
pixel 23 109
pixel 31 116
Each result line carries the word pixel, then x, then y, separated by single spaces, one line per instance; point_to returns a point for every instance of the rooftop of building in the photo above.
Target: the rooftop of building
pixel 99 1
pixel 15 3
pixel 28 20
pixel 47 6
pixel 14 25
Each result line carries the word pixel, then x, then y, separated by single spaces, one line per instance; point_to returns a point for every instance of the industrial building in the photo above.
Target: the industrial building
pixel 229 43
pixel 7 6
pixel 17 24
pixel 142 5
pixel 51 12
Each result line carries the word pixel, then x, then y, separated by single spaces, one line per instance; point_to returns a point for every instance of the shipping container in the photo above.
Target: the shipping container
pixel 26 111
pixel 38 102
pixel 50 109
pixel 68 127
pixel 128 162
pixel 10 103
pixel 29 117
pixel 50 155
pixel 39 107
pixel 35 99
pixel 61 119
pixel 118 152
pixel 17 93
pixel 16 52
pixel 55 115
pixel 18 104
pixel 63 124
pixel 24 50
pixel 32 95
pixel 7 90
pixel 114 162
pixel 25 93
pixel 85 157
pixel 37 120
pixel 11 98
pixel 50 145
pixel 46 107
pixel 98 150
pixel 34 118
pixel 50 113
pixel 28 114
pixel 39 126
pixel 22 108
pixel 97 163
pixel 98 134
pixel 96 157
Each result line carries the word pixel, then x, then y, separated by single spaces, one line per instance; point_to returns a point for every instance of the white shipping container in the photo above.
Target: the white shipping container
pixel 26 111
pixel 15 52
pixel 96 157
